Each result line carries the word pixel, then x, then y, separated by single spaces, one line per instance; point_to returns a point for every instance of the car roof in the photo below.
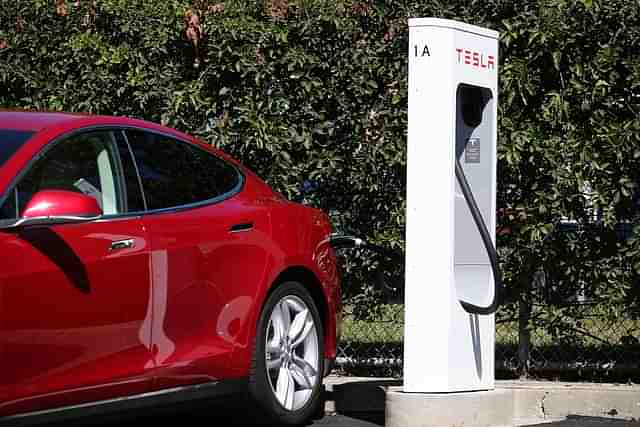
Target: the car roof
pixel 40 122
pixel 43 122
pixel 49 125
pixel 35 120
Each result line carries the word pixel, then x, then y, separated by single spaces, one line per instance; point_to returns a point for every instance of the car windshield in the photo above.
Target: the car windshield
pixel 10 141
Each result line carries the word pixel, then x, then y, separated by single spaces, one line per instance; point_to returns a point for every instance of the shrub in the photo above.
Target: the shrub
pixel 318 93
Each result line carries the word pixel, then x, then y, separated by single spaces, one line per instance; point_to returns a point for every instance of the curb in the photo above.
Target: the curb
pixel 533 401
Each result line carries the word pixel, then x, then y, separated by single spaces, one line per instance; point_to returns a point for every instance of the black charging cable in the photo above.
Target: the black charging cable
pixel 352 242
pixel 488 245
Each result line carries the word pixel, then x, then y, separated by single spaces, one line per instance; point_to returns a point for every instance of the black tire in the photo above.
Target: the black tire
pixel 260 385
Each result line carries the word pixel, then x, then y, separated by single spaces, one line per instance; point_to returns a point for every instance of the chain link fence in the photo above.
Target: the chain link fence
pixel 594 341
pixel 582 340
pixel 560 326
pixel 374 345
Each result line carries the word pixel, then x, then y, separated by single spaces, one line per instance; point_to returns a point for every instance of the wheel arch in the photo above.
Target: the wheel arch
pixel 319 293
pixel 309 280
pixel 286 284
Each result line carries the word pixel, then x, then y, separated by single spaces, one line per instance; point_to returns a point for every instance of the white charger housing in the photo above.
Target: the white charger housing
pixel 453 76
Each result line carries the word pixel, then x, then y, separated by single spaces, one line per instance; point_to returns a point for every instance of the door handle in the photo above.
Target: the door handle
pixel 122 244
pixel 237 228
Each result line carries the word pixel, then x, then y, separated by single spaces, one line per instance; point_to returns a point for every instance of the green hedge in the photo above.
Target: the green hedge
pixel 322 95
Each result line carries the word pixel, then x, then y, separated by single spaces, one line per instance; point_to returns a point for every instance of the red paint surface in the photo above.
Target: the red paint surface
pixel 61 203
pixel 79 322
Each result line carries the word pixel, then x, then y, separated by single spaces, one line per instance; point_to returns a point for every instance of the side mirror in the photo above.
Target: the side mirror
pixel 58 206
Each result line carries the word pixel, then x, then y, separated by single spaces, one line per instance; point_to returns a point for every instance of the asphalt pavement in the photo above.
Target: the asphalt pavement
pixel 228 413
pixel 236 413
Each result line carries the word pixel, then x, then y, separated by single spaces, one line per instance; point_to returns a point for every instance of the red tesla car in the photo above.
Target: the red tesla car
pixel 141 266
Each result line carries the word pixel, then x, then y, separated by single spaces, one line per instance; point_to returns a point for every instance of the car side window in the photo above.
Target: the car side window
pixel 132 184
pixel 176 173
pixel 84 163
pixel 9 209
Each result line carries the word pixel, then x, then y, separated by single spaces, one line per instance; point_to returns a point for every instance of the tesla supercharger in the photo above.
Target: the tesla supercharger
pixel 450 292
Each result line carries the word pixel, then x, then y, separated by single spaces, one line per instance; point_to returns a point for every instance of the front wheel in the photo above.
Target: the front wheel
pixel 287 367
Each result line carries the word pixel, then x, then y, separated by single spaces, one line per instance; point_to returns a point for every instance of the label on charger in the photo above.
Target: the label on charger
pixel 472 151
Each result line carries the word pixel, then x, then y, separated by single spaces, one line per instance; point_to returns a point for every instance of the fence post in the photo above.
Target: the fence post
pixel 525 307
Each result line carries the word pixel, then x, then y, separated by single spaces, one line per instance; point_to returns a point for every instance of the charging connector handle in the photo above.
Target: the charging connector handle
pixel 488 244
pixel 352 242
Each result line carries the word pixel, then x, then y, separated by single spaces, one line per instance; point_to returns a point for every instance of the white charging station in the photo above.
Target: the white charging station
pixel 453 76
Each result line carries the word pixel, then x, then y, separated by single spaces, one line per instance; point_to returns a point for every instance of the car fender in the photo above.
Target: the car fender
pixel 306 248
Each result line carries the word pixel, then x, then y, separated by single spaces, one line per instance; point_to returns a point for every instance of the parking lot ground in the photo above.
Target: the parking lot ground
pixel 562 401
pixel 239 414
pixel 240 417
pixel 359 404
pixel 230 413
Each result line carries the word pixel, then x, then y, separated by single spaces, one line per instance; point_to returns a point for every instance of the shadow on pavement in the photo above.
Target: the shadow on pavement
pixel 233 412
pixel 230 412
pixel 362 400
pixel 362 396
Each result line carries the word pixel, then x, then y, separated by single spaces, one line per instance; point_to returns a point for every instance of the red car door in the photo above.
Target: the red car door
pixel 75 315
pixel 206 247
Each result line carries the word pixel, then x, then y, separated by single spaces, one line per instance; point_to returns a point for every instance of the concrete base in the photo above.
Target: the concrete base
pixel 544 400
pixel 479 409
pixel 523 403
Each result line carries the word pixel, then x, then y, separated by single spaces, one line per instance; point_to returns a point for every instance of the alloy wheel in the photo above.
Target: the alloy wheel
pixel 292 352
